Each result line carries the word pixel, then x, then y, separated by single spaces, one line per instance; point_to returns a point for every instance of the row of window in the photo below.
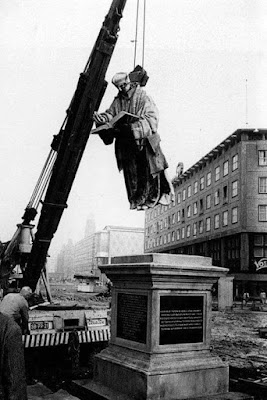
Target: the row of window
pixel 196 207
pixel 197 185
pixel 219 193
pixel 195 229
pixel 187 192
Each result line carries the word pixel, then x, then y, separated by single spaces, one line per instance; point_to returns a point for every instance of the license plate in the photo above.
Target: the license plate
pixel 96 322
pixel 35 326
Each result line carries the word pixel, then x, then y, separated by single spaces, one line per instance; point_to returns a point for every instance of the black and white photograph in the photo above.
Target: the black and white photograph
pixel 133 201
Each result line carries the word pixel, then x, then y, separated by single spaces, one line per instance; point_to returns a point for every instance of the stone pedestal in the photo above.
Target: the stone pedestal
pixel 160 329
pixel 225 293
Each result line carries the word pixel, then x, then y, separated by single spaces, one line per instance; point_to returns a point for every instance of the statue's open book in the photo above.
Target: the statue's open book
pixel 122 117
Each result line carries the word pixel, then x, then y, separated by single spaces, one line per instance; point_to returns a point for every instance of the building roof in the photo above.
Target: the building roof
pixel 122 228
pixel 234 137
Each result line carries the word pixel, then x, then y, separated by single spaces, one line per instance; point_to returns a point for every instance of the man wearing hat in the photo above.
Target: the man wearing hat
pixel 137 145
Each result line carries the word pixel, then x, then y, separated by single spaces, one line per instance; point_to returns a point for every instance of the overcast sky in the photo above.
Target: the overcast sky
pixel 198 54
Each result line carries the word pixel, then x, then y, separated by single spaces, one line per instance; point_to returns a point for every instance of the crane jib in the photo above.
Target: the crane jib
pixel 72 141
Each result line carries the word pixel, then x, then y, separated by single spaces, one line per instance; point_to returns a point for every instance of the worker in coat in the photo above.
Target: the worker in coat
pixel 12 367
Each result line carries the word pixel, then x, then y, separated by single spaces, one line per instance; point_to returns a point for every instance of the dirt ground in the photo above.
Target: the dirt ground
pixel 235 338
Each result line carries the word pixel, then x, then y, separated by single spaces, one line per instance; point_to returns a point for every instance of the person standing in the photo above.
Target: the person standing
pixel 15 305
pixel 137 145
pixel 12 365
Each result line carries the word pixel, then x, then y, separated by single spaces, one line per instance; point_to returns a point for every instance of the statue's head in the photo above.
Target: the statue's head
pixel 122 81
pixel 179 169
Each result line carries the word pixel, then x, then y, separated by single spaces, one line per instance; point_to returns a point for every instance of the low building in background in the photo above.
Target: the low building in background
pixel 220 211
pixel 97 248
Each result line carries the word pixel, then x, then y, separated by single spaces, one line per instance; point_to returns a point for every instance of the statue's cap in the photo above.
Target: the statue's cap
pixel 120 78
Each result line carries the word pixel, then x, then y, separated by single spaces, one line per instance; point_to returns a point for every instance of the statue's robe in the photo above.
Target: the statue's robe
pixel 137 149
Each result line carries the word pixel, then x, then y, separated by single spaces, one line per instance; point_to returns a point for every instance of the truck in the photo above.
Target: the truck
pixel 23 258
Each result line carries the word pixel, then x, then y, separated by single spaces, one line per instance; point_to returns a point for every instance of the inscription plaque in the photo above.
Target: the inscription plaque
pixel 181 319
pixel 132 317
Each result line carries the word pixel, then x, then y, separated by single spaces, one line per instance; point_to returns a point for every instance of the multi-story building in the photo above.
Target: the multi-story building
pixel 220 211
pixel 115 241
pixel 99 247
pixel 84 254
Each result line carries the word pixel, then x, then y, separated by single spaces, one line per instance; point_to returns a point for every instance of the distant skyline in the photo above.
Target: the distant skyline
pixel 206 63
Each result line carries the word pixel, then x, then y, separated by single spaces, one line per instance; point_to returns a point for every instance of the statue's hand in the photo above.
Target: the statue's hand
pixel 98 118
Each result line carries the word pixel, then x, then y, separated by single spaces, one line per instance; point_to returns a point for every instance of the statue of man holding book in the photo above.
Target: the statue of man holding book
pixel 132 119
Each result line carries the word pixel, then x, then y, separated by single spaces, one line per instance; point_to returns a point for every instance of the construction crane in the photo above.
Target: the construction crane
pixel 29 250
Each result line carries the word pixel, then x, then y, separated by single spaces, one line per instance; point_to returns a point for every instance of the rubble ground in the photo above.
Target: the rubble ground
pixel 235 337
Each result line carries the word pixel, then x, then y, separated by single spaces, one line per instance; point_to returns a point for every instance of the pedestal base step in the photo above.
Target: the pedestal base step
pixel 88 389
pixel 227 396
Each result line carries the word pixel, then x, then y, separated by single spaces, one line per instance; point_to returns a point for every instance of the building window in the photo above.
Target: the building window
pixel 169 237
pixel 208 201
pixel 262 157
pixel 188 211
pixel 260 246
pixel 217 174
pixel 188 231
pixel 225 218
pixel 235 162
pixel 225 168
pixel 179 198
pixel 263 184
pixel 173 218
pixel 201 205
pixel 165 222
pixel 195 229
pixel 216 221
pixel 160 240
pixel 165 239
pixel 232 245
pixel 195 208
pixel 234 188
pixel 184 193
pixel 189 191
pixel 178 234
pixel 183 214
pixel 201 226
pixel 208 224
pixel 195 187
pixel 173 236
pixel 217 197
pixel 178 216
pixel 234 215
pixel 183 230
pixel 263 213
pixel 208 178
pixel 202 183
pixel 215 251
pixel 225 194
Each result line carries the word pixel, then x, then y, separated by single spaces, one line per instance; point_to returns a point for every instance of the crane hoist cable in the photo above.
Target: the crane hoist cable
pixel 42 180
pixel 136 32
